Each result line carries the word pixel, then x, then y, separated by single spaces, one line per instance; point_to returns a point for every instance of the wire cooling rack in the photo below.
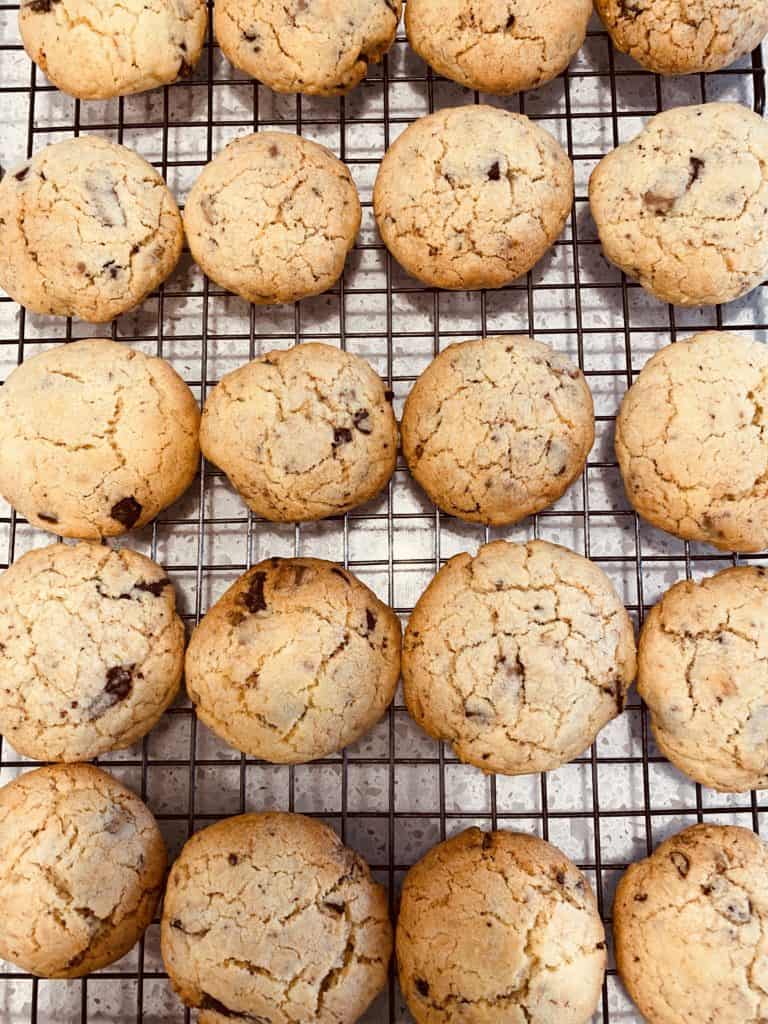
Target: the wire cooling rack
pixel 396 793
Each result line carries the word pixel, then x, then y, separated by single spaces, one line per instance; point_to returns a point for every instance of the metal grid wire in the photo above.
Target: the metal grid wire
pixel 395 793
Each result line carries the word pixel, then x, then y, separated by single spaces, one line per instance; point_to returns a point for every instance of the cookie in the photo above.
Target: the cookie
pixel 702 672
pixel 678 37
pixel 472 197
pixel 313 936
pixel 87 229
pixel 82 863
pixel 494 45
pixel 91 650
pixel 273 218
pixel 497 429
pixel 297 660
pixel 518 657
pixel 303 433
pixel 97 51
pixel 96 438
pixel 320 47
pixel 499 926
pixel 689 925
pixel 692 441
pixel 681 207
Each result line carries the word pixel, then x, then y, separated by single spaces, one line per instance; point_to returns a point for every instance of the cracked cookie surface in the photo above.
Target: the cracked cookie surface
pixel 499 926
pixel 518 657
pixel 497 46
pixel 87 229
pixel 82 863
pixel 114 47
pixel 91 650
pixel 678 37
pixel 497 429
pixel 703 672
pixel 472 197
pixel 692 441
pixel 269 917
pixel 303 433
pixel 297 660
pixel 273 218
pixel 320 47
pixel 96 438
pixel 682 207
pixel 690 927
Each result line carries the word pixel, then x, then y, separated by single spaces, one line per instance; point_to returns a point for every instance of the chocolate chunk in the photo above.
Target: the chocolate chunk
pixel 737 911
pixel 155 588
pixel 273 151
pixel 695 170
pixel 336 908
pixel 113 269
pixel 681 862
pixel 21 175
pixel 41 6
pixel 659 204
pixel 641 897
pixel 600 945
pixel 560 878
pixel 47 518
pixel 361 420
pixel 232 858
pixel 495 172
pixel 126 512
pixel 119 682
pixel 176 923
pixel 510 22
pixel 103 199
pixel 370 620
pixel 253 598
pixel 422 987
pixel 341 435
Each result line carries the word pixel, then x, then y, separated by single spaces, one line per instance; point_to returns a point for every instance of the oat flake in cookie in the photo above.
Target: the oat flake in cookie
pixel 499 926
pixel 472 197
pixel 497 429
pixel 303 433
pixel 96 438
pixel 321 47
pixel 678 37
pixel 91 650
pixel 273 218
pixel 683 206
pixel 689 926
pixel 312 939
pixel 82 863
pixel 518 657
pixel 87 229
pixel 100 50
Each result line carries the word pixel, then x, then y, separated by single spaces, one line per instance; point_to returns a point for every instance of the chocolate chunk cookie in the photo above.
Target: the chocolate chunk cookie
pixel 677 37
pixel 692 441
pixel 497 429
pixel 497 46
pixel 499 926
pixel 472 197
pixel 81 870
pixel 87 229
pixel 297 660
pixel 320 47
pixel 302 434
pixel 96 51
pixel 96 438
pixel 682 207
pixel 518 657
pixel 689 927
pixel 312 939
pixel 703 672
pixel 273 218
pixel 91 650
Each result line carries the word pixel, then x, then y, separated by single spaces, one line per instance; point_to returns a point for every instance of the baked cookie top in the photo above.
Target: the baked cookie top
pixel 677 37
pixel 297 660
pixel 689 925
pixel 692 441
pixel 499 926
pixel 273 218
pixel 681 207
pixel 497 429
pixel 303 433
pixel 472 197
pixel 91 650
pixel 82 864
pixel 310 46
pixel 497 46
pixel 99 50
pixel 96 438
pixel 87 229
pixel 518 657
pixel 312 939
